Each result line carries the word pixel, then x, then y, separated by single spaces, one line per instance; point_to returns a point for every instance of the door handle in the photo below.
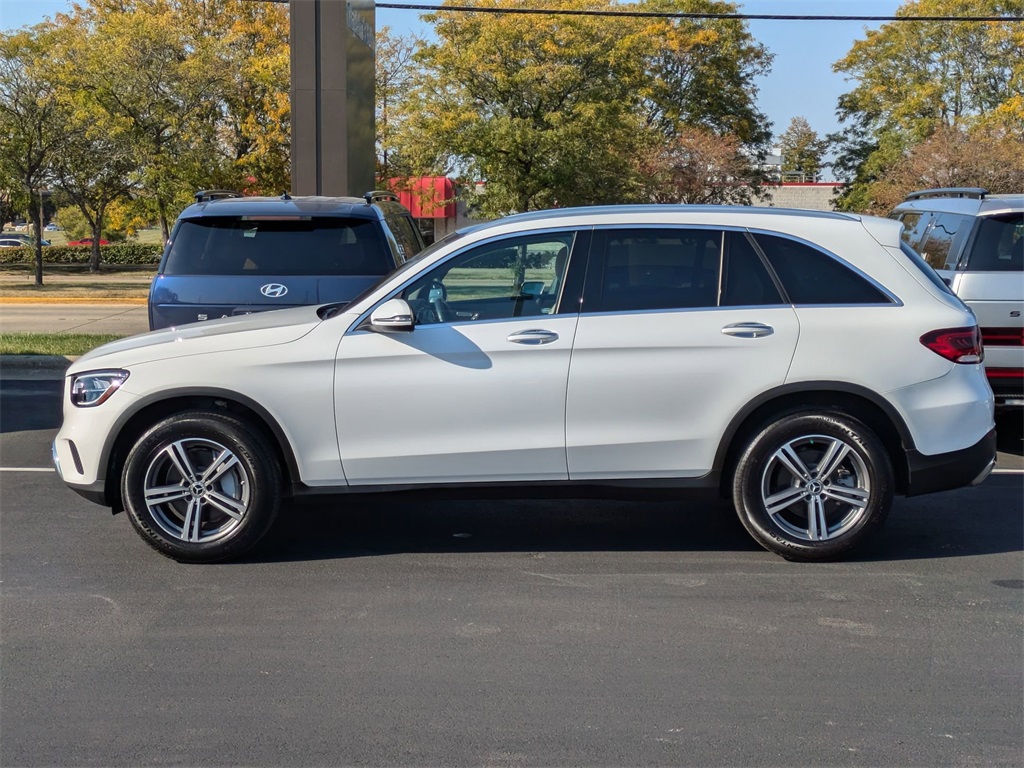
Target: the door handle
pixel 748 330
pixel 533 336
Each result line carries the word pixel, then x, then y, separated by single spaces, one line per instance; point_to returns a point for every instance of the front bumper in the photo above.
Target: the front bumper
pixel 94 492
pixel 945 471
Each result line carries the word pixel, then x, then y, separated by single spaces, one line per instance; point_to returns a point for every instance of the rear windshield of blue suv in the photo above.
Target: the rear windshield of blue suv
pixel 277 246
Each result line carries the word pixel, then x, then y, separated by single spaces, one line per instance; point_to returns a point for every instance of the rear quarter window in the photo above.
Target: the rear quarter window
pixel 222 245
pixel 810 276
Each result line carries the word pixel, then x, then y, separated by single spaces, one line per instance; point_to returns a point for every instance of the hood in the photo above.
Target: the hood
pixel 260 329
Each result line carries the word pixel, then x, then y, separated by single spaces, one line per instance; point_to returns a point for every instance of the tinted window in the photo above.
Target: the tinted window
pixel 914 226
pixel 926 269
pixel 659 269
pixel 747 281
pixel 405 236
pixel 810 276
pixel 999 245
pixel 234 245
pixel 945 239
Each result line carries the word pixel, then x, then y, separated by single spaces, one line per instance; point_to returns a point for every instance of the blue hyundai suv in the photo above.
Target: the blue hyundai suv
pixel 230 255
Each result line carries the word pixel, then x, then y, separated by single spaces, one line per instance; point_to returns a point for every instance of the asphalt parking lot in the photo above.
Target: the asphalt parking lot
pixel 504 633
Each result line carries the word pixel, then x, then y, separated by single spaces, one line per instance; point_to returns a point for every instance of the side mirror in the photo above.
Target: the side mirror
pixel 393 316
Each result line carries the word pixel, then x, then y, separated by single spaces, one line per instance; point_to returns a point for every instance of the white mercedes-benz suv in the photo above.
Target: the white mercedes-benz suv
pixel 809 365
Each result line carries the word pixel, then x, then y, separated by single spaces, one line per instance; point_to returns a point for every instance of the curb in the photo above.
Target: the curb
pixel 68 300
pixel 34 366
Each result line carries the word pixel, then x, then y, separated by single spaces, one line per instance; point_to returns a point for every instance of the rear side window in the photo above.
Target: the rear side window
pixel 810 276
pixel 926 269
pixel 945 239
pixel 914 226
pixel 407 238
pixel 659 269
pixel 233 245
pixel 998 245
pixel 747 282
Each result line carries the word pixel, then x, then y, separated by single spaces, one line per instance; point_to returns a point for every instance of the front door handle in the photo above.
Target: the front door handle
pixel 533 336
pixel 748 330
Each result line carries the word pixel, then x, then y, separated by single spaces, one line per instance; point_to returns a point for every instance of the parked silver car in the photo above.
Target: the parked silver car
pixel 976 242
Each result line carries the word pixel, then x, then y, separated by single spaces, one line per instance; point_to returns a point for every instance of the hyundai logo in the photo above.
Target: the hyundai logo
pixel 274 290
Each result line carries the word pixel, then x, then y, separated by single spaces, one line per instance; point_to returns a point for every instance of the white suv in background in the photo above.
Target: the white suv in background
pixel 976 242
pixel 809 365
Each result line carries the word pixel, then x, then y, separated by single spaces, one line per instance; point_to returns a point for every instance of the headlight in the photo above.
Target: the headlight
pixel 94 387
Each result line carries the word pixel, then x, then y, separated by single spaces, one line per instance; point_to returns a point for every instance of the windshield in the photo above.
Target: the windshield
pixel 277 246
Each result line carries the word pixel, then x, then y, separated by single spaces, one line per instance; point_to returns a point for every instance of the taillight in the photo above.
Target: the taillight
pixel 961 345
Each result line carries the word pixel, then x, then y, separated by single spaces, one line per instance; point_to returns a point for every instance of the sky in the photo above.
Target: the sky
pixel 801 81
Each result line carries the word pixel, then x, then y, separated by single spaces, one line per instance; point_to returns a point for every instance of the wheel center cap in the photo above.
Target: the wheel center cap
pixel 815 487
pixel 197 490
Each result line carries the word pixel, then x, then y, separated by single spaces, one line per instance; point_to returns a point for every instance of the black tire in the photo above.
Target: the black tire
pixel 813 485
pixel 202 486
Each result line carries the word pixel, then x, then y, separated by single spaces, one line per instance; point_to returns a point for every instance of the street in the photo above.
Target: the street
pixel 504 633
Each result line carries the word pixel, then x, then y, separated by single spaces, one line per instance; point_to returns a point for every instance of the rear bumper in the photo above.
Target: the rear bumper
pixel 946 471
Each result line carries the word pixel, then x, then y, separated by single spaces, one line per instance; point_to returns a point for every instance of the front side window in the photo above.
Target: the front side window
pixel 278 246
pixel 810 276
pixel 514 277
pixel 998 245
pixel 649 269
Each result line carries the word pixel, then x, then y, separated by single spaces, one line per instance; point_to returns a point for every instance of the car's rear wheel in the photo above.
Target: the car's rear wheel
pixel 201 486
pixel 813 485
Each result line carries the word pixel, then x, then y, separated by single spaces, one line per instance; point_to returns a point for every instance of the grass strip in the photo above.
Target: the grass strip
pixel 53 343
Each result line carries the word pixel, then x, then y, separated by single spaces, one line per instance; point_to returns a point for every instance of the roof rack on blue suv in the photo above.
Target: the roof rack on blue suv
pixel 232 255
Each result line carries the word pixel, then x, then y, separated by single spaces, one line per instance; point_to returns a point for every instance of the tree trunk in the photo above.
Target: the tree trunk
pixel 97 233
pixel 165 232
pixel 37 224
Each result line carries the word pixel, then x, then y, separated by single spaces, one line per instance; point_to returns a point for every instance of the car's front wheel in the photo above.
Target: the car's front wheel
pixel 202 486
pixel 813 485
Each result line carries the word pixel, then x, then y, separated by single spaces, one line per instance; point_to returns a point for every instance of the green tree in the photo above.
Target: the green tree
pixel 915 78
pixel 802 149
pixel 560 110
pixel 33 122
pixel 395 76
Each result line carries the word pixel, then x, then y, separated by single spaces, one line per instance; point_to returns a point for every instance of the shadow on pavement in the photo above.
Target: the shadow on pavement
pixel 973 521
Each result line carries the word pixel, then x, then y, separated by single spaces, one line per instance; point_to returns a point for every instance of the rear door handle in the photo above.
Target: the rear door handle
pixel 533 336
pixel 748 330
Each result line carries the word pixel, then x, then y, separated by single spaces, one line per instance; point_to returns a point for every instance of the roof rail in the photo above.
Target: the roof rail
pixel 380 194
pixel 920 194
pixel 205 195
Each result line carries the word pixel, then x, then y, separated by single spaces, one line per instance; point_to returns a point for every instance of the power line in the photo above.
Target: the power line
pixel 682 15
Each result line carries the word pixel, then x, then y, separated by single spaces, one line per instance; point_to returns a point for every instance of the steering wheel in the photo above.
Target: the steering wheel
pixel 437 295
